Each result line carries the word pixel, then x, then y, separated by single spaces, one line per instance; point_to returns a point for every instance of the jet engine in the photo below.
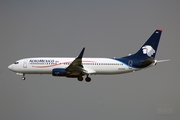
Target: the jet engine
pixel 59 72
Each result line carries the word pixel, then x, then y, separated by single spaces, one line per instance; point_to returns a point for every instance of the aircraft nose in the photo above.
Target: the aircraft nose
pixel 10 67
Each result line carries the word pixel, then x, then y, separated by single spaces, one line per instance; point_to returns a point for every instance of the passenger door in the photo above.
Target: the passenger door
pixel 25 63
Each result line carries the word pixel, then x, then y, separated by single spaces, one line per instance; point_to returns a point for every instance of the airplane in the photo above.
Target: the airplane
pixel 78 67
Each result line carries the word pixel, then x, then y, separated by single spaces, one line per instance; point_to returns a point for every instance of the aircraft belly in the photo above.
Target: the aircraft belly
pixel 37 71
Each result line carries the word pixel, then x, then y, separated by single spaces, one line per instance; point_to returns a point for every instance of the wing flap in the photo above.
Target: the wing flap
pixel 89 71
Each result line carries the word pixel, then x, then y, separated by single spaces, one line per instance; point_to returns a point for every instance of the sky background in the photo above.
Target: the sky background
pixel 108 28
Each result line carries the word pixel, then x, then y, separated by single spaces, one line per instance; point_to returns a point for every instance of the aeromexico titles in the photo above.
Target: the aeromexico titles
pixel 79 67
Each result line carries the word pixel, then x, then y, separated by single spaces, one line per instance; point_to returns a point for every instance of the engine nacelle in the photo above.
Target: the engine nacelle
pixel 59 72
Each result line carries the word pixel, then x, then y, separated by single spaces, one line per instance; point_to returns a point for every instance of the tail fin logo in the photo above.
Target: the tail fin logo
pixel 148 50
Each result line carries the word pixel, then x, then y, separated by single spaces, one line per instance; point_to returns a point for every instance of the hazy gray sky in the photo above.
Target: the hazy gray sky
pixel 108 28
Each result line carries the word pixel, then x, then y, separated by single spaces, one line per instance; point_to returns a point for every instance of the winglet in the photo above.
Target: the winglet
pixel 81 54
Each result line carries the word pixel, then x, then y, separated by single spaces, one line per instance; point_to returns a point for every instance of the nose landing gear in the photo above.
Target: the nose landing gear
pixel 23 77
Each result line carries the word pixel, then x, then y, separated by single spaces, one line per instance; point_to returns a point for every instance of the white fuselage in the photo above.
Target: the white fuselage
pixel 45 65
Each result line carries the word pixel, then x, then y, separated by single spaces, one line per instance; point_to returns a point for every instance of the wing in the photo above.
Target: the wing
pixel 76 67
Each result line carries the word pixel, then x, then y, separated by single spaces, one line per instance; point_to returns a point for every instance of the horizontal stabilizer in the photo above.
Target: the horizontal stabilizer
pixel 163 60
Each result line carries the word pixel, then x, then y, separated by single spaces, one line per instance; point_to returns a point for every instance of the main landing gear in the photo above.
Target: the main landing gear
pixel 87 79
pixel 80 78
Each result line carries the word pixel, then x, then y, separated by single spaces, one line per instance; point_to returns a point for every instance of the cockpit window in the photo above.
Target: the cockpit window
pixel 16 63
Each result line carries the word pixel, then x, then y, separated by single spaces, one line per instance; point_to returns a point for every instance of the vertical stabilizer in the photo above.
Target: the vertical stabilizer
pixel 149 49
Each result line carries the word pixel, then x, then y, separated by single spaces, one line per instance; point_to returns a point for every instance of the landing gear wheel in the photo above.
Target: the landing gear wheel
pixel 23 78
pixel 80 78
pixel 88 79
